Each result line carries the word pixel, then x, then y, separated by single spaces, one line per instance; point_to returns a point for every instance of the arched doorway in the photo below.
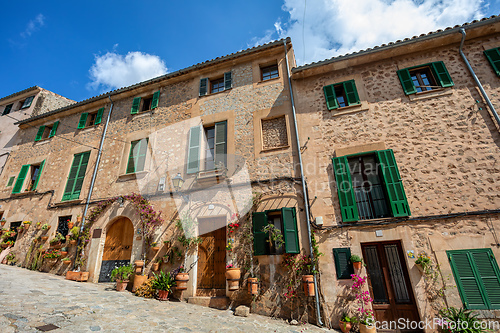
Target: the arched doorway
pixel 117 248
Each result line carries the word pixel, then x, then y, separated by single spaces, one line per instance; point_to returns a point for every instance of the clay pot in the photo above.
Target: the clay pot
pixel 345 327
pixel 181 280
pixel 67 237
pixel 73 242
pixel 64 254
pixel 155 248
pixel 77 276
pixel 138 281
pixel 79 219
pixel 4 246
pixel 38 226
pixel 138 266
pixel 357 265
pixel 66 262
pixel 3 223
pixel 44 238
pixel 121 285
pixel 156 266
pixel 308 284
pixel 367 329
pixel 163 295
pixel 70 225
pixel 233 278
pixel 253 286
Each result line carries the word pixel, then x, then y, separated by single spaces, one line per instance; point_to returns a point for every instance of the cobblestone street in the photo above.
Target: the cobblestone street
pixel 31 299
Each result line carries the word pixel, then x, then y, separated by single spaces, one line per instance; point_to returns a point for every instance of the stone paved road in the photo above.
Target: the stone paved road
pixel 29 299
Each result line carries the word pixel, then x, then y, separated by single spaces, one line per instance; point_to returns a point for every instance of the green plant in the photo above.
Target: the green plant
pixel 58 238
pixel 425 262
pixel 66 259
pixel 74 233
pixel 52 254
pixel 356 258
pixel 163 281
pixel 345 318
pixel 27 222
pixel 146 289
pixel 274 234
pixel 45 226
pixel 11 257
pixel 122 273
pixel 460 321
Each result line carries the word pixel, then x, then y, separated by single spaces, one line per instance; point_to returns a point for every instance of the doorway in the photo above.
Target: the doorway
pixel 389 283
pixel 212 257
pixel 117 247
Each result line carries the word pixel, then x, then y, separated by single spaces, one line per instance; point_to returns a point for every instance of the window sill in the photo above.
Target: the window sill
pixel 216 93
pixel 349 109
pixel 430 94
pixel 88 128
pixel 211 176
pixel 269 80
pixel 143 113
pixel 66 202
pixel 42 141
pixel 135 175
pixel 267 150
pixel 23 193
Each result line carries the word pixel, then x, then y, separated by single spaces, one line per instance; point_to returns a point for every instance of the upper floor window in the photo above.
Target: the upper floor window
pixel 285 221
pixel 269 72
pixel 493 56
pixel 46 131
pixel 32 173
pixel 424 78
pixel 215 147
pixel 137 156
pixel 76 176
pixel 11 181
pixel 7 109
pixel 142 104
pixel 89 119
pixel 216 85
pixel 341 94
pixel 27 102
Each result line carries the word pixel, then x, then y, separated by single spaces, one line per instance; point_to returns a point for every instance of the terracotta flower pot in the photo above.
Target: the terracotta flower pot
pixel 73 242
pixel 308 285
pixel 121 285
pixel 253 286
pixel 79 219
pixel 38 226
pixel 357 265
pixel 181 280
pixel 163 295
pixel 233 278
pixel 138 281
pixel 67 237
pixel 345 326
pixel 3 223
pixel 77 276
pixel 44 238
pixel 70 225
pixel 155 248
pixel 367 329
pixel 66 262
pixel 64 254
pixel 156 266
pixel 4 246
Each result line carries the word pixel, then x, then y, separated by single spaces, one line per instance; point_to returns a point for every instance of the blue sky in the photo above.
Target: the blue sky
pixel 81 49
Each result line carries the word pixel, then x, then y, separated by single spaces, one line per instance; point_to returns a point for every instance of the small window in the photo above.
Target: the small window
pixel 46 131
pixel 493 56
pixel 343 265
pixel 27 102
pixel 137 156
pixel 285 220
pixel 142 104
pixel 32 173
pixel 89 119
pixel 11 181
pixel 274 133
pixel 341 94
pixel 269 72
pixel 425 78
pixel 62 226
pixel 216 85
pixel 7 109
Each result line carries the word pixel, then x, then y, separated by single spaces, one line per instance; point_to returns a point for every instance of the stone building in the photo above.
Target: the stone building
pixel 22 105
pixel 401 156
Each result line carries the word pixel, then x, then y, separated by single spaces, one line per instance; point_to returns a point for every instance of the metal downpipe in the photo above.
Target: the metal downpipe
pixel 479 85
pixel 306 199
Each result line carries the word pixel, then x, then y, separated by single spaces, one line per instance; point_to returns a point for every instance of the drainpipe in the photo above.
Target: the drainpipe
pixel 306 200
pixel 479 85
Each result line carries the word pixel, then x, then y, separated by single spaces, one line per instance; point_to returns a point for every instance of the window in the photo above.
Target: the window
pixel 269 72
pixel 62 226
pixel 341 95
pixel 148 103
pixel 11 181
pixel 425 77
pixel 46 131
pixel 7 109
pixel 27 102
pixel 90 119
pixel 137 156
pixel 283 219
pixel 493 56
pixel 477 276
pixel 33 173
pixel 215 150
pixel 216 85
pixel 274 134
pixel 13 227
pixel 369 186
pixel 76 176
pixel 343 265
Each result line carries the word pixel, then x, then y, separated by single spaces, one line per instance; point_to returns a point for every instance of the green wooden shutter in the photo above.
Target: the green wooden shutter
pixel 406 81
pixel 7 109
pixel 442 74
pixel 54 129
pixel 39 134
pixel 20 179
pixel 220 143
pixel 489 275
pixel 156 98
pixel 343 264
pixel 228 81
pixel 134 147
pixel 291 233
pixel 393 183
pixel 35 184
pixel 11 181
pixel 140 157
pixel 98 117
pixel 193 159
pixel 203 86
pixel 351 92
pixel 331 99
pixel 135 105
pixel 76 176
pixel 259 221
pixel 83 120
pixel 345 190
pixel 493 57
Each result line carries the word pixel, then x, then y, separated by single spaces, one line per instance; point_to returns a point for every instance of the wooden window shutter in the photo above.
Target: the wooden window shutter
pixel 203 86
pixel 220 143
pixel 80 175
pixel 156 98
pixel 11 181
pixel 35 184
pixel 493 57
pixel 331 99
pixel 343 265
pixel 393 183
pixel 98 117
pixel 291 234
pixel 193 159
pixel 76 176
pixel 228 81
pixel 7 109
pixel 406 81
pixel 83 120
pixel 140 155
pixel 351 92
pixel 489 275
pixel 54 129
pixel 134 148
pixel 345 190
pixel 442 74
pixel 20 179
pixel 259 221
pixel 135 105
pixel 40 133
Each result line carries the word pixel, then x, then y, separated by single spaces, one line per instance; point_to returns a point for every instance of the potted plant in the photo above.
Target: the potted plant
pixel 70 224
pixel 357 262
pixel 26 224
pixel 3 221
pixel 155 247
pixel 233 275
pixel 156 264
pixel 11 258
pixel 20 229
pixel 38 225
pixel 45 227
pixel 56 241
pixel 78 219
pixel 163 283
pixel 74 235
pixel 364 315
pixel 66 261
pixel 44 238
pixel 345 323
pixel 423 263
pixel 52 254
pixel 64 252
pixel 181 278
pixel 121 275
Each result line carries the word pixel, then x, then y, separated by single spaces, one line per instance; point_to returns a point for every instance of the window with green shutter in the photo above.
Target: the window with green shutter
pixel 20 179
pixel 7 109
pixel 135 105
pixel 193 155
pixel 76 176
pixel 283 219
pixel 89 119
pixel 216 85
pixel 477 277
pixel 137 155
pixel 369 186
pixel 46 131
pixel 493 56
pixel 424 77
pixel 341 94
pixel 11 181
pixel 32 172
pixel 27 102
pixel 343 265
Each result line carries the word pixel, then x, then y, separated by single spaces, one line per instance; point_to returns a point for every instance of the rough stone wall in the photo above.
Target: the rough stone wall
pixel 49 101
pixel 274 133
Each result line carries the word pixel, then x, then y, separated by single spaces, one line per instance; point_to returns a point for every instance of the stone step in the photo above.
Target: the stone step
pixel 217 302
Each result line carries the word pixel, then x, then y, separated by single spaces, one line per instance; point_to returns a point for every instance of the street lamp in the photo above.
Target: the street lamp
pixel 177 181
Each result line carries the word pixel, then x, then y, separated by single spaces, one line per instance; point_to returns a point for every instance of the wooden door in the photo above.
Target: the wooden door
pixel 211 256
pixel 389 282
pixel 117 247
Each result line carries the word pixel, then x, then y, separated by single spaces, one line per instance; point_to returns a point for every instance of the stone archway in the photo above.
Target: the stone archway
pixel 117 247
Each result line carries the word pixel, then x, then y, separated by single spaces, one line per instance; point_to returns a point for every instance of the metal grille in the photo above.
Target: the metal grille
pixel 396 271
pixel 376 275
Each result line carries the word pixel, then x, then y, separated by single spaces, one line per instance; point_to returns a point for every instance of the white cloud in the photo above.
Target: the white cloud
pixel 334 27
pixel 33 25
pixel 114 70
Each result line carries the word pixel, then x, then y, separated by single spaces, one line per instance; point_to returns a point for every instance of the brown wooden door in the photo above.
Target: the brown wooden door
pixel 212 256
pixel 389 282
pixel 117 247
